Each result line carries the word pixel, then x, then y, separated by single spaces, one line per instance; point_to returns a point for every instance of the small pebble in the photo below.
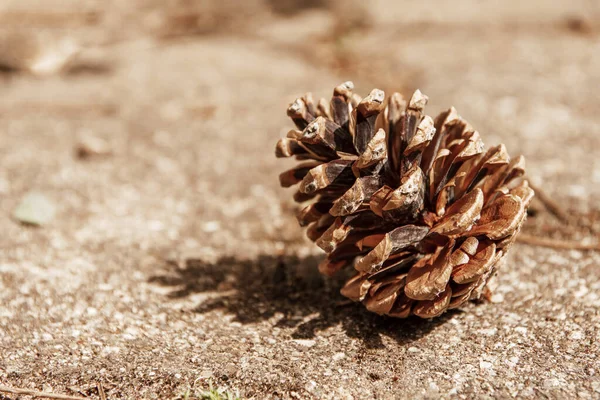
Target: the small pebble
pixel 34 209
pixel 211 226
pixel 485 365
pixel 305 342
pixel 90 146
pixel 206 373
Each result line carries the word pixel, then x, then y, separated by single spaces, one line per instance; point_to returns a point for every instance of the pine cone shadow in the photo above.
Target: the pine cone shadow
pixel 290 293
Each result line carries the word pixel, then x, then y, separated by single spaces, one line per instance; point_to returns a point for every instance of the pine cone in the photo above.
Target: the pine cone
pixel 425 211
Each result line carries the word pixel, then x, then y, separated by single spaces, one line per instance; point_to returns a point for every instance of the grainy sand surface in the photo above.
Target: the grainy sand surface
pixel 191 112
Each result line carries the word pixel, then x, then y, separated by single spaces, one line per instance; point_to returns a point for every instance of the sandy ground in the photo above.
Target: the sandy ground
pixel 191 112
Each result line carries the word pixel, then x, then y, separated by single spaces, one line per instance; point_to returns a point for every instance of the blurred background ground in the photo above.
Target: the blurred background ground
pixel 154 143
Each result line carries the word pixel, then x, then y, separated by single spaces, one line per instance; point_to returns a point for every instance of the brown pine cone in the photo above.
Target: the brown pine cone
pixel 426 212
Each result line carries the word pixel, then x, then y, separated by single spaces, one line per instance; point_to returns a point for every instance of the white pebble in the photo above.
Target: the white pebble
pixel 485 365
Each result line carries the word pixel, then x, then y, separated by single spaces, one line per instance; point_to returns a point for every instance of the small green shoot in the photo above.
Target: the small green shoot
pixel 210 394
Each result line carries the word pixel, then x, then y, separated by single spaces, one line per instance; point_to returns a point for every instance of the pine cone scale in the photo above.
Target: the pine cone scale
pixel 434 307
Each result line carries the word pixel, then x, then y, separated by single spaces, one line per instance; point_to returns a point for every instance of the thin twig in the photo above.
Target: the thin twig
pixel 556 243
pixel 552 206
pixel 34 393
pixel 101 391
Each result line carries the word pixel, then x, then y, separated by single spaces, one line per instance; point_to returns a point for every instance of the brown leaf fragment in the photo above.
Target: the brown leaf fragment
pixel 297 174
pixel 394 241
pixel 461 215
pixel 425 282
pixel 433 307
pixel 357 287
pixel 325 174
pixel 477 266
pixel 353 199
pixel 501 218
pixel 364 116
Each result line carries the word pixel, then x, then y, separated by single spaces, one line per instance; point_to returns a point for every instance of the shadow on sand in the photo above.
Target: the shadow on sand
pixel 256 290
